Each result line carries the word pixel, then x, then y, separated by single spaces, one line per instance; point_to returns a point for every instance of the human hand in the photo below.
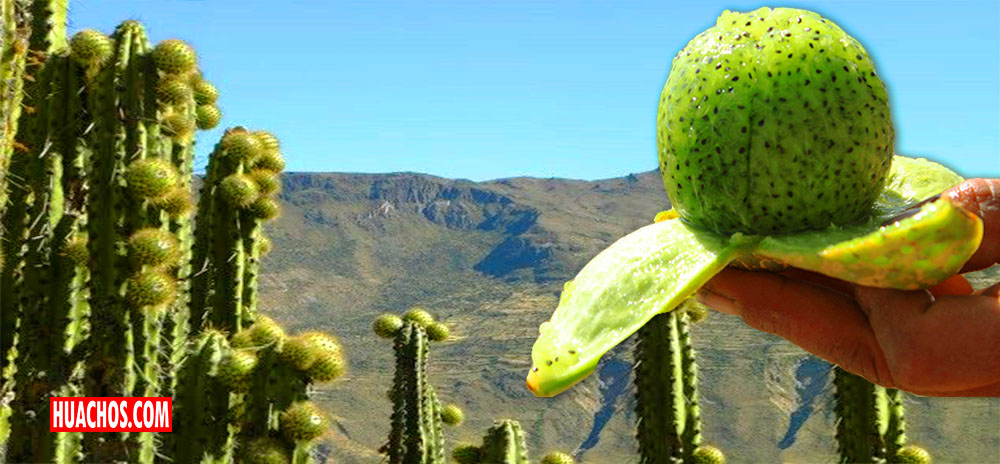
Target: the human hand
pixel 938 342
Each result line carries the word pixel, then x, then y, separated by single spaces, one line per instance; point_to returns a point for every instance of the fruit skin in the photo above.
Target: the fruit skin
pixel 75 249
pixel 270 160
pixel 467 454
pixel 150 177
pixel 207 116
pixel 299 353
pixel 420 316
pixel 268 182
pixel 90 47
pixel 760 142
pixel 153 247
pixel 328 366
pixel 438 332
pixel 177 202
pixel 558 458
pixel 236 368
pixel 173 91
pixel 242 147
pixel 178 124
pixel 204 92
pixel 174 56
pixel 387 325
pixel 238 190
pixel 302 421
pixel 267 140
pixel 264 450
pixel 264 208
pixel 708 455
pixel 265 331
pixel 452 415
pixel 912 455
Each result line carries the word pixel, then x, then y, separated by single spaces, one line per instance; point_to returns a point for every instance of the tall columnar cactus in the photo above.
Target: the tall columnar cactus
pixel 870 423
pixel 666 380
pixel 504 443
pixel 417 414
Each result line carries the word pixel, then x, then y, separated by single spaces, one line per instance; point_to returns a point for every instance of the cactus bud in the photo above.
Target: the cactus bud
pixel 177 203
pixel 264 450
pixel 302 421
pixel 912 455
pixel 327 367
pixel 324 342
pixel 152 247
pixel 438 332
pixel 419 316
pixel 242 339
pixel 238 190
pixel 708 455
pixel 173 91
pixel 150 288
pixel 207 116
pixel 264 208
pixel 236 368
pixel 270 160
pixel 267 181
pixel 178 124
pixel 242 146
pixel 467 454
pixel 265 245
pixel 174 56
pixel 267 140
pixel 150 177
pixel 90 48
pixel 387 325
pixel 75 249
pixel 265 331
pixel 452 415
pixel 299 353
pixel 558 458
pixel 204 92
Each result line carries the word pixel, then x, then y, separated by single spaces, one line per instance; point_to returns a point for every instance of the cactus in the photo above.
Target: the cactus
pixel 504 443
pixel 870 422
pixel 417 415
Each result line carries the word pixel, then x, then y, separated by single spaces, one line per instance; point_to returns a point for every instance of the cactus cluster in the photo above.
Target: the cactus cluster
pixel 108 288
pixel 504 443
pixel 870 422
pixel 417 415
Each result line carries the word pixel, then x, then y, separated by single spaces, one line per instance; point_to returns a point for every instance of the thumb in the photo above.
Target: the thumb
pixel 982 198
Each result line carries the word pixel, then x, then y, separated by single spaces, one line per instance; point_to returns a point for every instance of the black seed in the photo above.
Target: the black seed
pixel 736 78
pixel 819 71
pixel 760 123
pixel 742 149
pixel 743 129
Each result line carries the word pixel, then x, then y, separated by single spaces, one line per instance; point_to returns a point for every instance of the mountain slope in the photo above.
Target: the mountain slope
pixel 489 258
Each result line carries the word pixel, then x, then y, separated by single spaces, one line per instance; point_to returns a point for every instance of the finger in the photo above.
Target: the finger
pixel 982 198
pixel 824 322
pixel 943 345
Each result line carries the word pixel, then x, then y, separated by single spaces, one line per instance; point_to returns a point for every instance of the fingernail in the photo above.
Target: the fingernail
pixel 717 302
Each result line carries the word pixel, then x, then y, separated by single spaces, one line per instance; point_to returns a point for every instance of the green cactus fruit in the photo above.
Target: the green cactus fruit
pixel 242 147
pixel 419 316
pixel 174 56
pixel 302 421
pixel 270 160
pixel 153 247
pixel 266 331
pixel 696 311
pixel 207 116
pixel 268 182
pixel 467 454
pixel 264 450
pixel 322 341
pixel 299 353
pixel 708 455
pixel 238 190
pixel 328 366
pixel 387 325
pixel 178 124
pixel 558 458
pixel 264 208
pixel 438 332
pixel 76 250
pixel 236 368
pixel 452 415
pixel 150 288
pixel 912 455
pixel 90 47
pixel 150 178
pixel 242 339
pixel 204 92
pixel 265 245
pixel 177 203
pixel 268 140
pixel 173 91
pixel 765 112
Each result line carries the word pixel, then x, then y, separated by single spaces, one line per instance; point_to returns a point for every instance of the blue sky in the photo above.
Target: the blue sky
pixel 483 90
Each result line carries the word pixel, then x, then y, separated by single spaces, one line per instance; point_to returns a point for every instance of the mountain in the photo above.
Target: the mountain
pixel 488 259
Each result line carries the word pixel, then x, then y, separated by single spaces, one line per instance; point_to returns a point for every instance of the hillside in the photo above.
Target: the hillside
pixel 488 258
